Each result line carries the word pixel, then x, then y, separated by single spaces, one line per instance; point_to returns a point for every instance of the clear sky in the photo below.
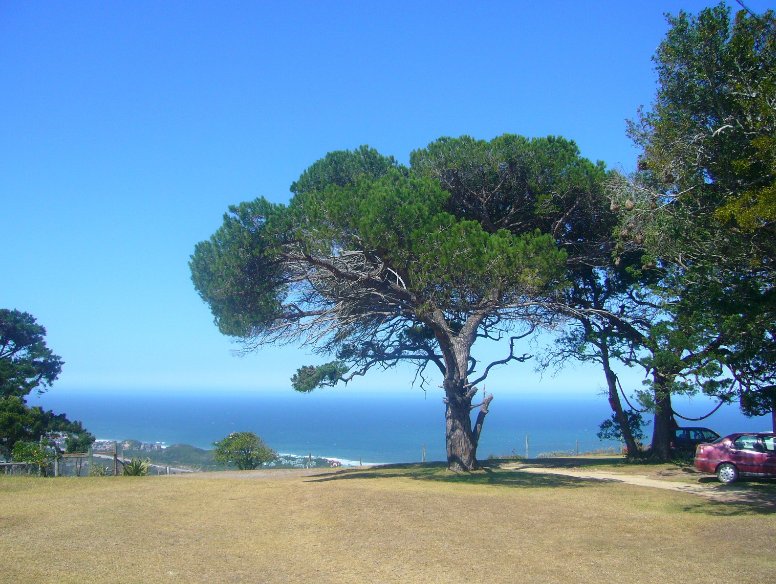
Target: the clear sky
pixel 127 128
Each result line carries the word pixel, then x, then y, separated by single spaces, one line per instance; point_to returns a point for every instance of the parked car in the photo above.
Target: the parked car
pixel 688 438
pixel 743 454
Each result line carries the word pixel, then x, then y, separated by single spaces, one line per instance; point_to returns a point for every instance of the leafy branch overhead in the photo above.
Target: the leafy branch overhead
pixel 367 260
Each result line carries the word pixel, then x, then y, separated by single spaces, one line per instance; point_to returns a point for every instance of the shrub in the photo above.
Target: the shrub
pixel 33 453
pixel 136 468
pixel 99 470
pixel 244 449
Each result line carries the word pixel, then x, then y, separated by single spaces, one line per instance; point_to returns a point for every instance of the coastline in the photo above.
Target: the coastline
pixel 128 448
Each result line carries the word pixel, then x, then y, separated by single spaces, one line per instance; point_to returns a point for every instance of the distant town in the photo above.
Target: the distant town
pixel 111 445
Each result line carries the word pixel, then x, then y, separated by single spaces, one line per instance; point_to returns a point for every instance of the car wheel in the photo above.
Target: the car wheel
pixel 727 473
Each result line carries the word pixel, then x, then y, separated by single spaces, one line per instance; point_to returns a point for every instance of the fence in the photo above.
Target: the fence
pixel 85 464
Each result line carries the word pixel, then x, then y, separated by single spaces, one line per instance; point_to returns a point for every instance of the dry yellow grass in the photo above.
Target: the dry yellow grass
pixel 395 525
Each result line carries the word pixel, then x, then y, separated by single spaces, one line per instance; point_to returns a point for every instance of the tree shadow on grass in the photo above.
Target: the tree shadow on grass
pixel 557 462
pixel 438 472
pixel 748 496
pixel 752 504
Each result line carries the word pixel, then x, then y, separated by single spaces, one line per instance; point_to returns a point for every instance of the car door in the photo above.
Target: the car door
pixel 746 456
pixel 680 438
pixel 770 454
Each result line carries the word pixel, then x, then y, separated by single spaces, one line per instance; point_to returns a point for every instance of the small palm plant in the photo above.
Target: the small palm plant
pixel 136 468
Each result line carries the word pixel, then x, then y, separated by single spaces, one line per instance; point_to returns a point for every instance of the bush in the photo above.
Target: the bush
pixel 33 453
pixel 136 468
pixel 99 470
pixel 244 449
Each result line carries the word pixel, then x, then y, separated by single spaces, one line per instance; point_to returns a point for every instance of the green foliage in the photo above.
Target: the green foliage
pixel 237 272
pixel 610 428
pixel 18 421
pixel 521 185
pixel 33 453
pixel 448 262
pixel 243 449
pixel 760 403
pixel 309 377
pixel 709 152
pixel 99 470
pixel 712 126
pixel 342 168
pixel 79 442
pixel 271 272
pixel 26 363
pixel 136 467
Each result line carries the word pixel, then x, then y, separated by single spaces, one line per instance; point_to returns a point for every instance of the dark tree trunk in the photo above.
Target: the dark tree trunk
pixel 616 405
pixel 459 437
pixel 773 412
pixel 664 419
pixel 631 447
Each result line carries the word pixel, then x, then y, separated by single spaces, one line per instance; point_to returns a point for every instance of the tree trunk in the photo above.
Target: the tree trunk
pixel 773 411
pixel 616 405
pixel 664 419
pixel 461 445
pixel 460 439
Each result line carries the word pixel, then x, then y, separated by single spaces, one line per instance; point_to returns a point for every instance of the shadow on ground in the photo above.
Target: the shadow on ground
pixel 743 498
pixel 748 504
pixel 438 472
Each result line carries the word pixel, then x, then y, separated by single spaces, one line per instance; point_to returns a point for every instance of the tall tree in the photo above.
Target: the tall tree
pixel 704 202
pixel 26 363
pixel 380 264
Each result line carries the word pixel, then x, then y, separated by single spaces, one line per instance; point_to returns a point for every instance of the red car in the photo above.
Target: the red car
pixel 744 454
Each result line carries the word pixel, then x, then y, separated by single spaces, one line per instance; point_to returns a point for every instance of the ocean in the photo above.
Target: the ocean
pixel 357 427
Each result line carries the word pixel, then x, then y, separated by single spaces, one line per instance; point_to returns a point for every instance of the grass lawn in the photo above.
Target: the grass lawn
pixel 403 524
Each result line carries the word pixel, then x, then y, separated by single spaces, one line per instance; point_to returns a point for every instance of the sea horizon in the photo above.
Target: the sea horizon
pixel 367 427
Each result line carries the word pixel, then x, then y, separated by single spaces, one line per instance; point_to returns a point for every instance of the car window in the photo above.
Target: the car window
pixel 710 435
pixel 770 443
pixel 746 442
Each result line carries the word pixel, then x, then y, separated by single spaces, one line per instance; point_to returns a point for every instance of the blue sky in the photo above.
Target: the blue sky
pixel 129 127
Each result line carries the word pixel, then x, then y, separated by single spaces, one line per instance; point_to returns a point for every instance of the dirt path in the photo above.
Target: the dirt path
pixel 711 490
